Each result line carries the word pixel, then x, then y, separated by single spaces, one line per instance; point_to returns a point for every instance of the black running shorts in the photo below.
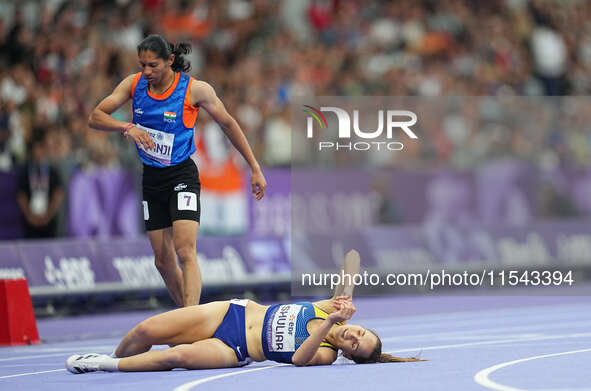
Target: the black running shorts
pixel 170 194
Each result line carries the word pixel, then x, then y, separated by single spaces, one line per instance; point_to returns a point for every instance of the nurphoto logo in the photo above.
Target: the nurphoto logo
pixel 396 121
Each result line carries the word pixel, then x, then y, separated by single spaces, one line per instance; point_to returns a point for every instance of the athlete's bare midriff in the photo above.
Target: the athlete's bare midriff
pixel 254 317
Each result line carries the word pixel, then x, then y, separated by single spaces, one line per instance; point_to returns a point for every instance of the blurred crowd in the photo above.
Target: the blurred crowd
pixel 58 58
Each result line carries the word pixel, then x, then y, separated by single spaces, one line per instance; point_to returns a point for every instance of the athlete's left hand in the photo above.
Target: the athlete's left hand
pixel 345 312
pixel 258 183
pixel 338 302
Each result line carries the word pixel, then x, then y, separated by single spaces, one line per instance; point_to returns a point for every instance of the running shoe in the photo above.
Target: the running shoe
pixel 83 363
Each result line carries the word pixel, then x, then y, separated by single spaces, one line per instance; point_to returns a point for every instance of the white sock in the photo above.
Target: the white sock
pixel 110 364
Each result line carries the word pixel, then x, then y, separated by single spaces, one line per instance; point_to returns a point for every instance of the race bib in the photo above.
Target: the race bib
pixel 39 202
pixel 163 142
pixel 283 328
pixel 186 201
pixel 146 210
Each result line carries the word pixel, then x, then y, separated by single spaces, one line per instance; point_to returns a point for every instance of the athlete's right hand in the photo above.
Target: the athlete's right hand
pixel 346 311
pixel 141 137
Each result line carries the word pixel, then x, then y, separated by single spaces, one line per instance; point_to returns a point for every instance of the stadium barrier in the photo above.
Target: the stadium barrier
pixel 62 267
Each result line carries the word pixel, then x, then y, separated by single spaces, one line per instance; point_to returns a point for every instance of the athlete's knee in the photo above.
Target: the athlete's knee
pixel 164 261
pixel 176 357
pixel 147 331
pixel 186 253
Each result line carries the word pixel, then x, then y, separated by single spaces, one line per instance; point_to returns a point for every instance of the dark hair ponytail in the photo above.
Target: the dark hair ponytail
pixel 377 355
pixel 385 357
pixel 163 49
pixel 180 62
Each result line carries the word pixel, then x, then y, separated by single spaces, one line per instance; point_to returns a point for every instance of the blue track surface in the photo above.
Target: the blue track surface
pixel 536 343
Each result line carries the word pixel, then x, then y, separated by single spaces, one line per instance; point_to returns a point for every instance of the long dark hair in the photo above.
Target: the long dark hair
pixel 377 355
pixel 163 49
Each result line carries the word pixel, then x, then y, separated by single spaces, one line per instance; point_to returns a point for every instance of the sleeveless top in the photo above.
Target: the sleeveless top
pixel 169 118
pixel 284 329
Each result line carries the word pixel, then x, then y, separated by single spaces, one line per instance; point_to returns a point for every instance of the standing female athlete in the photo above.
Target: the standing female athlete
pixel 165 105
pixel 233 333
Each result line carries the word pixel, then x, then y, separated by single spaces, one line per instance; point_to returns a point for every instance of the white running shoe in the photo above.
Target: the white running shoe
pixel 82 363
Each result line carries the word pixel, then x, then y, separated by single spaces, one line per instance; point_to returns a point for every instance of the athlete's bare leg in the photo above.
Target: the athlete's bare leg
pixel 206 354
pixel 184 234
pixel 166 263
pixel 181 326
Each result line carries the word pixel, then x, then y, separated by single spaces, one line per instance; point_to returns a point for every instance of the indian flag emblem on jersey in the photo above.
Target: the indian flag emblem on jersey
pixel 169 117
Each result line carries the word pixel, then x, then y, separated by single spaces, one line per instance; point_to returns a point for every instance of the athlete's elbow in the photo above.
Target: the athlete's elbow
pixel 298 362
pixel 227 123
pixel 225 126
pixel 92 119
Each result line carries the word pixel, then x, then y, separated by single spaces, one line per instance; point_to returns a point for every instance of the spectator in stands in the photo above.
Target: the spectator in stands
pixel 260 54
pixel 554 204
pixel 40 193
pixel 6 158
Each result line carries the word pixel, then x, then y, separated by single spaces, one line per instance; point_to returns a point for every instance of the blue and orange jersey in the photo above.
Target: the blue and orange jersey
pixel 285 329
pixel 169 118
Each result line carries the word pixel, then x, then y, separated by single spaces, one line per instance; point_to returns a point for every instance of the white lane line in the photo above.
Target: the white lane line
pixel 510 340
pixel 38 349
pixel 479 337
pixel 98 349
pixel 188 386
pixel 483 315
pixel 32 373
pixel 482 376
pixel 562 389
pixel 27 365
pixel 34 349
pixel 31 357
pixel 515 321
pixel 445 334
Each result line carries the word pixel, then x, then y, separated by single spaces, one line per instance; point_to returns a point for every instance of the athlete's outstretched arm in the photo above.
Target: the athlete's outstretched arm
pixel 350 268
pixel 203 94
pixel 343 291
pixel 101 118
pixel 309 353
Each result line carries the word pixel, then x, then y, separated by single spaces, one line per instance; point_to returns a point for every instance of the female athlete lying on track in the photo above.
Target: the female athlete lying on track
pixel 233 333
